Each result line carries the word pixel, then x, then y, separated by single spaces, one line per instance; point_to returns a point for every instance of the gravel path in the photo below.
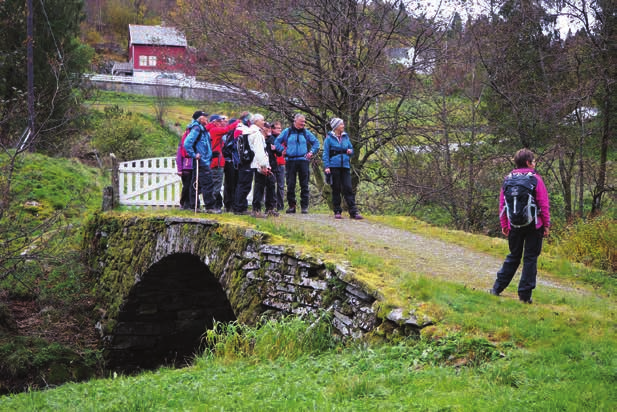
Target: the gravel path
pixel 414 253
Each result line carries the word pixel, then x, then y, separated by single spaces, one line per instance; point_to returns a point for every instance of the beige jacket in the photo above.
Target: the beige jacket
pixel 258 146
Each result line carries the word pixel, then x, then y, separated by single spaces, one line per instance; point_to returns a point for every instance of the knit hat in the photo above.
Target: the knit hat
pixel 198 114
pixel 336 122
pixel 246 120
pixel 215 117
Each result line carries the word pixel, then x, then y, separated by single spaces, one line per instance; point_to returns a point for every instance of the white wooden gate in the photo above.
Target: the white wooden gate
pixel 149 182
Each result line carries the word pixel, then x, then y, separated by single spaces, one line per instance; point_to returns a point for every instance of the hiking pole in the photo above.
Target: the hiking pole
pixel 196 185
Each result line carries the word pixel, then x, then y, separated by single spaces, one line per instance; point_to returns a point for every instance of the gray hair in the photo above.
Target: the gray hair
pixel 299 116
pixel 256 117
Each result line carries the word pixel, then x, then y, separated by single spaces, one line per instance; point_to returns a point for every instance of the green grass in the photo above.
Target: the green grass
pixel 177 112
pixel 42 218
pixel 457 372
pixel 52 185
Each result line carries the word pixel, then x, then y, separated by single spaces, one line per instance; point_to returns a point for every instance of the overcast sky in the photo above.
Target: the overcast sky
pixel 444 9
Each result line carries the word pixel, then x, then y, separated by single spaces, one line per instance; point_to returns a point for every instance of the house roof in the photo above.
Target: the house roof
pixel 156 35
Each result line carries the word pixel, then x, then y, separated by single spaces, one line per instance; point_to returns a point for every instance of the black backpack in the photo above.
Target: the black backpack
pixel 244 149
pixel 520 202
pixel 228 146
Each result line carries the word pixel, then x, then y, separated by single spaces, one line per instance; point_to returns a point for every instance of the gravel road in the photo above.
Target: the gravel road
pixel 413 252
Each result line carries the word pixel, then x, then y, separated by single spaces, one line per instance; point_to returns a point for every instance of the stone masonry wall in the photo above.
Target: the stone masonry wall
pixel 123 251
pixel 300 285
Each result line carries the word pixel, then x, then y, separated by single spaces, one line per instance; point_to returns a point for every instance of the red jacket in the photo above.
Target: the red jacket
pixel 216 134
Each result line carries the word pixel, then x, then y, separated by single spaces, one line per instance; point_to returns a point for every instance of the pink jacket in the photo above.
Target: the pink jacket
pixel 544 214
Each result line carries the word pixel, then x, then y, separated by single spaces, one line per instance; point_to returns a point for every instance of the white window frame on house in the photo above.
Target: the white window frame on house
pixel 147 61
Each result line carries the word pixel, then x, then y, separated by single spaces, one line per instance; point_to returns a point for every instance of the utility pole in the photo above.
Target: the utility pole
pixel 30 71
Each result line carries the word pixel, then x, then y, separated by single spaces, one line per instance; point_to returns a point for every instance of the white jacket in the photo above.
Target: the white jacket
pixel 258 146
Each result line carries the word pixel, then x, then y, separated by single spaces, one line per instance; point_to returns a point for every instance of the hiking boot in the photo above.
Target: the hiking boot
pixel 357 216
pixel 528 300
pixel 338 216
pixel 304 211
pixel 493 292
pixel 257 214
pixel 243 213
pixel 214 211
pixel 292 209
pixel 273 213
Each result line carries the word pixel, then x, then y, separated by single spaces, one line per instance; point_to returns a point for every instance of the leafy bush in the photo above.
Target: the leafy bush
pixel 131 136
pixel 591 242
pixel 121 135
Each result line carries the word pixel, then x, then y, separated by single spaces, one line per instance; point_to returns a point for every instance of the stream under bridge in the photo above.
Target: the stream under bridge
pixel 161 282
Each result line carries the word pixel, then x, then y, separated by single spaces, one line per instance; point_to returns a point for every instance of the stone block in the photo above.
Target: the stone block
pixel 356 291
pixel 314 284
pixel 274 303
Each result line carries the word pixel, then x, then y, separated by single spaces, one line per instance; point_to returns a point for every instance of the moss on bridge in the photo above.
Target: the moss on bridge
pixel 123 251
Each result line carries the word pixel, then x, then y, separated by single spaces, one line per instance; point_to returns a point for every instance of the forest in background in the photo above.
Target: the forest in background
pixel 471 93
pixel 434 132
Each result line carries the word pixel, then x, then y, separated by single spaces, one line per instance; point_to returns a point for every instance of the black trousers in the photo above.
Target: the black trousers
pixel 204 187
pixel 229 185
pixel 187 176
pixel 525 242
pixel 341 183
pixel 264 184
pixel 243 188
pixel 298 169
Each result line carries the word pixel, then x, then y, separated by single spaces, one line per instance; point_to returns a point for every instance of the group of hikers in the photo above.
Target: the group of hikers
pixel 236 155
pixel 250 152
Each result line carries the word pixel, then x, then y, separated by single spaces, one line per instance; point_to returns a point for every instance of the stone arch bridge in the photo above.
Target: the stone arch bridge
pixel 161 281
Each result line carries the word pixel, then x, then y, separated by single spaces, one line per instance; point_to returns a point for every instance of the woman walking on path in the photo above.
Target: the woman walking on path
pixel 336 158
pixel 526 237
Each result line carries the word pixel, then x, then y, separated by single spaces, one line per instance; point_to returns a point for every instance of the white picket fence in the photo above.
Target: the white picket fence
pixel 149 182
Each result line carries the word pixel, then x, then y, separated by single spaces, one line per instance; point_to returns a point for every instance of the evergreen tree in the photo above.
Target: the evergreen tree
pixel 59 60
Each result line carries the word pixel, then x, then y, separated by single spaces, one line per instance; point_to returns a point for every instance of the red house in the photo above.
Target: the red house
pixel 156 51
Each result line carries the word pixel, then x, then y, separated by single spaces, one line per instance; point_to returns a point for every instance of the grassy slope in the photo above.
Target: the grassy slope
pixel 49 198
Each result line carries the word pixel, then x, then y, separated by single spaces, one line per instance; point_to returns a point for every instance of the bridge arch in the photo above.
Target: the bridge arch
pixel 164 315
pixel 161 280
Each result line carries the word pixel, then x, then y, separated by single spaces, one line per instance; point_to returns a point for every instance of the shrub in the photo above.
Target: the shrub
pixel 289 337
pixel 120 134
pixel 592 243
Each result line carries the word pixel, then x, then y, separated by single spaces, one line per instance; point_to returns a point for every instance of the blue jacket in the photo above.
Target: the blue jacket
pixel 200 139
pixel 297 143
pixel 335 151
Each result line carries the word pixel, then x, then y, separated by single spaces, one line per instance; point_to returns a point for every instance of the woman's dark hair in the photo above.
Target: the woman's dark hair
pixel 522 157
